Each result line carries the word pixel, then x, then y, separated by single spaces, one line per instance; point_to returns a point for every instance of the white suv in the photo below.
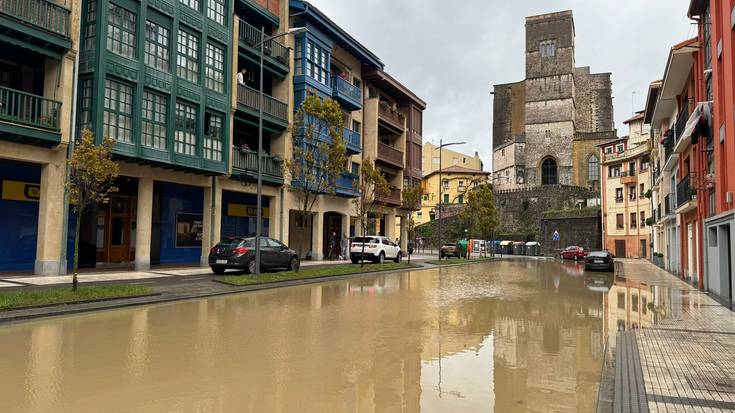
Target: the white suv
pixel 377 249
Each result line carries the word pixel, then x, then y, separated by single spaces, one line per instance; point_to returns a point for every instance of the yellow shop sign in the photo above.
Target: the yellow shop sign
pixel 21 191
pixel 242 210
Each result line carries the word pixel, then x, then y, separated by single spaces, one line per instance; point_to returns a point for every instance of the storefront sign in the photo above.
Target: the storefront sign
pixel 242 210
pixel 21 191
pixel 189 230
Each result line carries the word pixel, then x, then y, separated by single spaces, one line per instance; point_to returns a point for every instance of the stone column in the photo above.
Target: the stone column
pixel 50 219
pixel 144 224
pixel 390 226
pixel 404 233
pixel 211 227
pixel 317 236
pixel 274 218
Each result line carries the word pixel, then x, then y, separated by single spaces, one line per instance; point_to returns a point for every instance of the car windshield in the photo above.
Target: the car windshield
pixel 230 243
pixel 367 240
pixel 597 254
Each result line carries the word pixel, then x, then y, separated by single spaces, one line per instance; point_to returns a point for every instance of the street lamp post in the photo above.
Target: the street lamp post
pixel 441 186
pixel 259 191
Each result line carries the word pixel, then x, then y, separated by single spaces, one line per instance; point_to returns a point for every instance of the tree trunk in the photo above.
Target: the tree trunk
pixel 75 268
pixel 362 254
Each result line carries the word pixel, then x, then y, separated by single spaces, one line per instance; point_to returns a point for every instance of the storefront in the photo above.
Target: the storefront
pixel 21 189
pixel 177 227
pixel 239 214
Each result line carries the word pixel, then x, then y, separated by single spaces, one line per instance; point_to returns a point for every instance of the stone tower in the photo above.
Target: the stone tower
pixel 541 123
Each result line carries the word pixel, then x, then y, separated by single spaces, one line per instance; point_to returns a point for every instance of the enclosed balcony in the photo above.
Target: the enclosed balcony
pixel 390 155
pixel 38 25
pixel 347 185
pixel 275 54
pixel 352 139
pixel 392 198
pixel 347 94
pixel 275 112
pixel 29 118
pixel 245 165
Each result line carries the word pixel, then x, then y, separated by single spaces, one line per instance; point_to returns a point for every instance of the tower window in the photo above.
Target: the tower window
pixel 547 48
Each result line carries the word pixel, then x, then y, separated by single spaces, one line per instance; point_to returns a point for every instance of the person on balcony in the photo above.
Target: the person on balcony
pixel 241 75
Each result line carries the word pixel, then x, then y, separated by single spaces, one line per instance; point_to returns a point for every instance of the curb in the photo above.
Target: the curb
pixel 96 300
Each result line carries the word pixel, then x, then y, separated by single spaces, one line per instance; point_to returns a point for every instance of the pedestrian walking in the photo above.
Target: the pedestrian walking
pixel 345 247
pixel 332 245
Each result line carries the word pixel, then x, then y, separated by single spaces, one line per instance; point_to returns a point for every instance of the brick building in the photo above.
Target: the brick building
pixel 546 128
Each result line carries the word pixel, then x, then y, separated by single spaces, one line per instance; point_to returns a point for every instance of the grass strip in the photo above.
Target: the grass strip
pixel 316 272
pixel 41 297
pixel 452 261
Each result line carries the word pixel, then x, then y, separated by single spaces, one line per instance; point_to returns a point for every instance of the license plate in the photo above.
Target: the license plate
pixel 221 261
pixel 599 262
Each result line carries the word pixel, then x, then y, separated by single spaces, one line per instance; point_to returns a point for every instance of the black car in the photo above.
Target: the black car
pixel 599 261
pixel 239 254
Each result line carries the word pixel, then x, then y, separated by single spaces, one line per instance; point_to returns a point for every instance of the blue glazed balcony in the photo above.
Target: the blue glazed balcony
pixel 352 139
pixel 347 94
pixel 347 185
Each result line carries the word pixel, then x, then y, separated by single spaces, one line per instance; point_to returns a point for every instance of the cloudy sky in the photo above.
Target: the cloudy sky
pixel 451 53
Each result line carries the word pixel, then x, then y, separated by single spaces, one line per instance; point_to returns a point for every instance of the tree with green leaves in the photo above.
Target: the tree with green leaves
pixel 372 185
pixel 411 195
pixel 92 174
pixel 480 212
pixel 319 152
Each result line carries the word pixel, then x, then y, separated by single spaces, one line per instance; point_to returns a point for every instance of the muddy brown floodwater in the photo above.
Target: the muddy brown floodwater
pixel 510 336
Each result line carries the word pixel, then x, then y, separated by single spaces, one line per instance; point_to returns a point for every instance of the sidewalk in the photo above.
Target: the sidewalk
pixel 685 359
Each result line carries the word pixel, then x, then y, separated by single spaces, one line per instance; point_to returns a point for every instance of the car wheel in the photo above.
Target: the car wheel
pixel 294 264
pixel 250 267
pixel 398 258
pixel 354 260
pixel 218 271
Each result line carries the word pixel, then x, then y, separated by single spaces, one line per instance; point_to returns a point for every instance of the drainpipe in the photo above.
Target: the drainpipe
pixel 280 221
pixel 69 153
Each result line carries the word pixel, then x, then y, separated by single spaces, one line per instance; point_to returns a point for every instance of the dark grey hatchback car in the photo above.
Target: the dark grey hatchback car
pixel 599 261
pixel 238 253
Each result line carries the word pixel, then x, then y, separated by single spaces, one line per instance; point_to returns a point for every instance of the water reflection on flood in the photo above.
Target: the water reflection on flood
pixel 503 337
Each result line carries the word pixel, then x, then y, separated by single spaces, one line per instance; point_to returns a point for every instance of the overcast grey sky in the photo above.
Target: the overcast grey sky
pixel 451 53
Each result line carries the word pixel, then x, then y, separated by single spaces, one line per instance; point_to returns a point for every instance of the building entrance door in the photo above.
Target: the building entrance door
pixel 644 253
pixel 690 251
pixel 620 248
pixel 119 228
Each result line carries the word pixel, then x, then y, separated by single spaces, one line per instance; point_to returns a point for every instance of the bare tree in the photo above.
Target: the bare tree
pixel 372 185
pixel 91 178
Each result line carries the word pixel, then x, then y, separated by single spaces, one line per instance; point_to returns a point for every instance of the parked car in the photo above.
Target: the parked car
pixel 448 250
pixel 573 253
pixel 599 261
pixel 377 249
pixel 239 253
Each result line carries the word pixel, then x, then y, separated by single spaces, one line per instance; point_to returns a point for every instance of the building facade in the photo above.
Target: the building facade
pixel 626 205
pixel 176 85
pixel 455 182
pixel 538 122
pixel 431 160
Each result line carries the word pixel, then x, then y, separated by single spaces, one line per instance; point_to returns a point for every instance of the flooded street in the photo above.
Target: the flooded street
pixel 509 336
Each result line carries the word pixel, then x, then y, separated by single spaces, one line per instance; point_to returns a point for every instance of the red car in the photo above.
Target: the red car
pixel 573 253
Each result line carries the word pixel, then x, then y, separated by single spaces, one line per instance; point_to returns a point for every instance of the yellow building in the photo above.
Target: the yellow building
pixel 430 159
pixel 625 173
pixel 455 180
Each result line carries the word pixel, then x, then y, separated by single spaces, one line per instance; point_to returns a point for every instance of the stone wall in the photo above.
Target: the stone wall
pixel 521 210
pixel 584 231
pixel 508 112
pixel 585 145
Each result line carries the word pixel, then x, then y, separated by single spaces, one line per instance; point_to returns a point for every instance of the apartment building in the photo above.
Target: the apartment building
pixel 625 182
pixel 455 182
pixel 431 160
pixel 40 43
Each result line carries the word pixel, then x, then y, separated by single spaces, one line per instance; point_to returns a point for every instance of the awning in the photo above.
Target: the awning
pixel 702 111
pixel 505 243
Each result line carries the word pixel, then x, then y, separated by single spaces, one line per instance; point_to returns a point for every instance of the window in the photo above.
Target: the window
pixel 460 199
pixel 355 168
pixel 357 83
pixel 356 126
pixel 593 164
pixel 216 11
pixel 121 31
pixel 621 301
pixel 156 46
pixel 425 197
pixel 608 150
pixel 188 57
pixel 317 63
pixel 118 116
pixel 643 190
pixel 619 194
pixel 547 48
pixel 619 221
pixel 644 304
pixel 153 127
pixel 631 168
pixel 461 185
pixel 446 198
pixel 445 183
pixel 633 221
pixel 418 215
pixel 619 148
pixel 186 125
pixel 614 171
pixel 194 4
pixel 548 172
pixel 632 195
pixel 91 26
pixel 85 106
pixel 214 71
pixel 642 214
pixel 634 303
pixel 213 137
